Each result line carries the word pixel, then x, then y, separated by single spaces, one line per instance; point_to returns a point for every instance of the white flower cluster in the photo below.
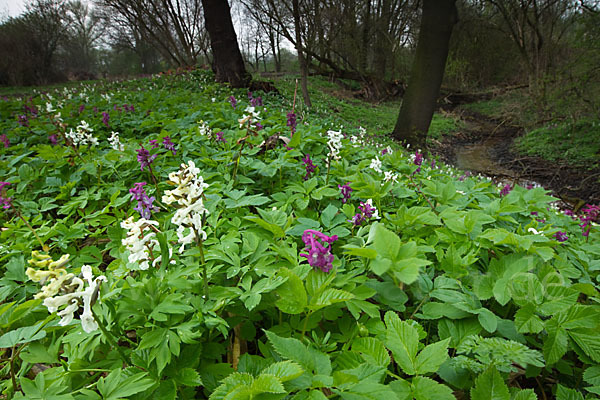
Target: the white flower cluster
pixel 115 142
pixel 141 242
pixel 204 129
pixel 66 289
pixel 376 165
pixel 106 96
pixel 335 144
pixel 359 141
pixel 83 135
pixel 389 150
pixel 50 108
pixel 390 176
pixel 251 116
pixel 188 197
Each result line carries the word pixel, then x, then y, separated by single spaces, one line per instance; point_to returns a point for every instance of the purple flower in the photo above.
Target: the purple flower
pixel 81 108
pixel 249 95
pixel 233 101
pixel 105 119
pixel 154 143
pixel 220 138
pixel 144 157
pixel 256 102
pixel 23 120
pixel 4 140
pixel 95 109
pixel 384 151
pixel 4 201
pixel 144 206
pixel 291 121
pixel 259 127
pixel 318 256
pixel 505 190
pixel 590 214
pixel 169 145
pixel 310 167
pixel 561 236
pixel 346 190
pixel 367 211
pixel 433 166
pixel 53 139
pixel 418 158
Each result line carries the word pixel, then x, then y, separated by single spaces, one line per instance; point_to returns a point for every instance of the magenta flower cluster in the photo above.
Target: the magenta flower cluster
pixel 53 139
pixel 233 101
pixel 144 206
pixel 318 252
pixel 106 119
pixel 144 157
pixel 219 137
pixel 5 141
pixel 310 167
pixel 169 145
pixel 366 212
pixel 255 101
pixel 505 190
pixel 346 190
pixel 5 201
pixel 561 236
pixel 291 121
pixel 590 214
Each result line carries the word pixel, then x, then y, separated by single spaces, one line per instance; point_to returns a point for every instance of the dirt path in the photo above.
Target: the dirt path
pixel 485 146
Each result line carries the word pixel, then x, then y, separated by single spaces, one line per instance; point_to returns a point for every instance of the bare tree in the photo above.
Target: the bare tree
pixel 173 27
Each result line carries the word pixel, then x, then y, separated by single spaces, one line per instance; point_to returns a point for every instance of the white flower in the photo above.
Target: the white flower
pixel 390 176
pixel 49 108
pixel 75 298
pixel 188 196
pixel 115 142
pixel 204 129
pixel 335 144
pixel 534 231
pixel 139 241
pixel 376 165
pixel 82 136
pixel 389 150
pixel 251 116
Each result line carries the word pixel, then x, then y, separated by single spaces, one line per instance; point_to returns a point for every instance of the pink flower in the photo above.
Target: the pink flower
pixel 318 256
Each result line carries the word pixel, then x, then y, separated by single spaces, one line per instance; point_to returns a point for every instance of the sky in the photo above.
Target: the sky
pixel 11 8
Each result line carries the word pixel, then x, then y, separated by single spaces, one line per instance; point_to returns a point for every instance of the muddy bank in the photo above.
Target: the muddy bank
pixel 486 146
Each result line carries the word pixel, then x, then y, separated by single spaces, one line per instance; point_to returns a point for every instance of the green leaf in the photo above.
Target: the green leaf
pixel 330 296
pixel 276 230
pixel 525 394
pixel 292 296
pixel 294 350
pixel 592 375
pixel 431 357
pixel 589 342
pixel 115 386
pixel 22 335
pixel 267 383
pixel 527 321
pixel 296 139
pixel 372 351
pixel 564 393
pixel 188 377
pixel 366 391
pixel 403 340
pixel 556 344
pixel 427 389
pixel 284 370
pixel 490 386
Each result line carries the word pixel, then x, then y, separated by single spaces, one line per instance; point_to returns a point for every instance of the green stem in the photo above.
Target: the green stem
pixel 44 247
pixel 12 369
pixel 328 168
pixel 203 262
pixel 111 339
pixel 306 323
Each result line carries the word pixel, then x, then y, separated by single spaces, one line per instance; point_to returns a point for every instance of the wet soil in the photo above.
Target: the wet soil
pixel 486 146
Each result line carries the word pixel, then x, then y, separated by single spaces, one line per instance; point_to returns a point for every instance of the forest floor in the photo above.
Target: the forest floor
pixel 486 145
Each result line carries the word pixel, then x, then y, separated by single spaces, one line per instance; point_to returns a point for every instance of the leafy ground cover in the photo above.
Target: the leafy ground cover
pixel 204 252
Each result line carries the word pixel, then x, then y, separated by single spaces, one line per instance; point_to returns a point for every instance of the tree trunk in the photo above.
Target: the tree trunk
pixel 418 105
pixel 228 63
pixel 301 60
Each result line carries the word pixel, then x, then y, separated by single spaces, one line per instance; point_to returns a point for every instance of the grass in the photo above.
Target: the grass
pixel 572 143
